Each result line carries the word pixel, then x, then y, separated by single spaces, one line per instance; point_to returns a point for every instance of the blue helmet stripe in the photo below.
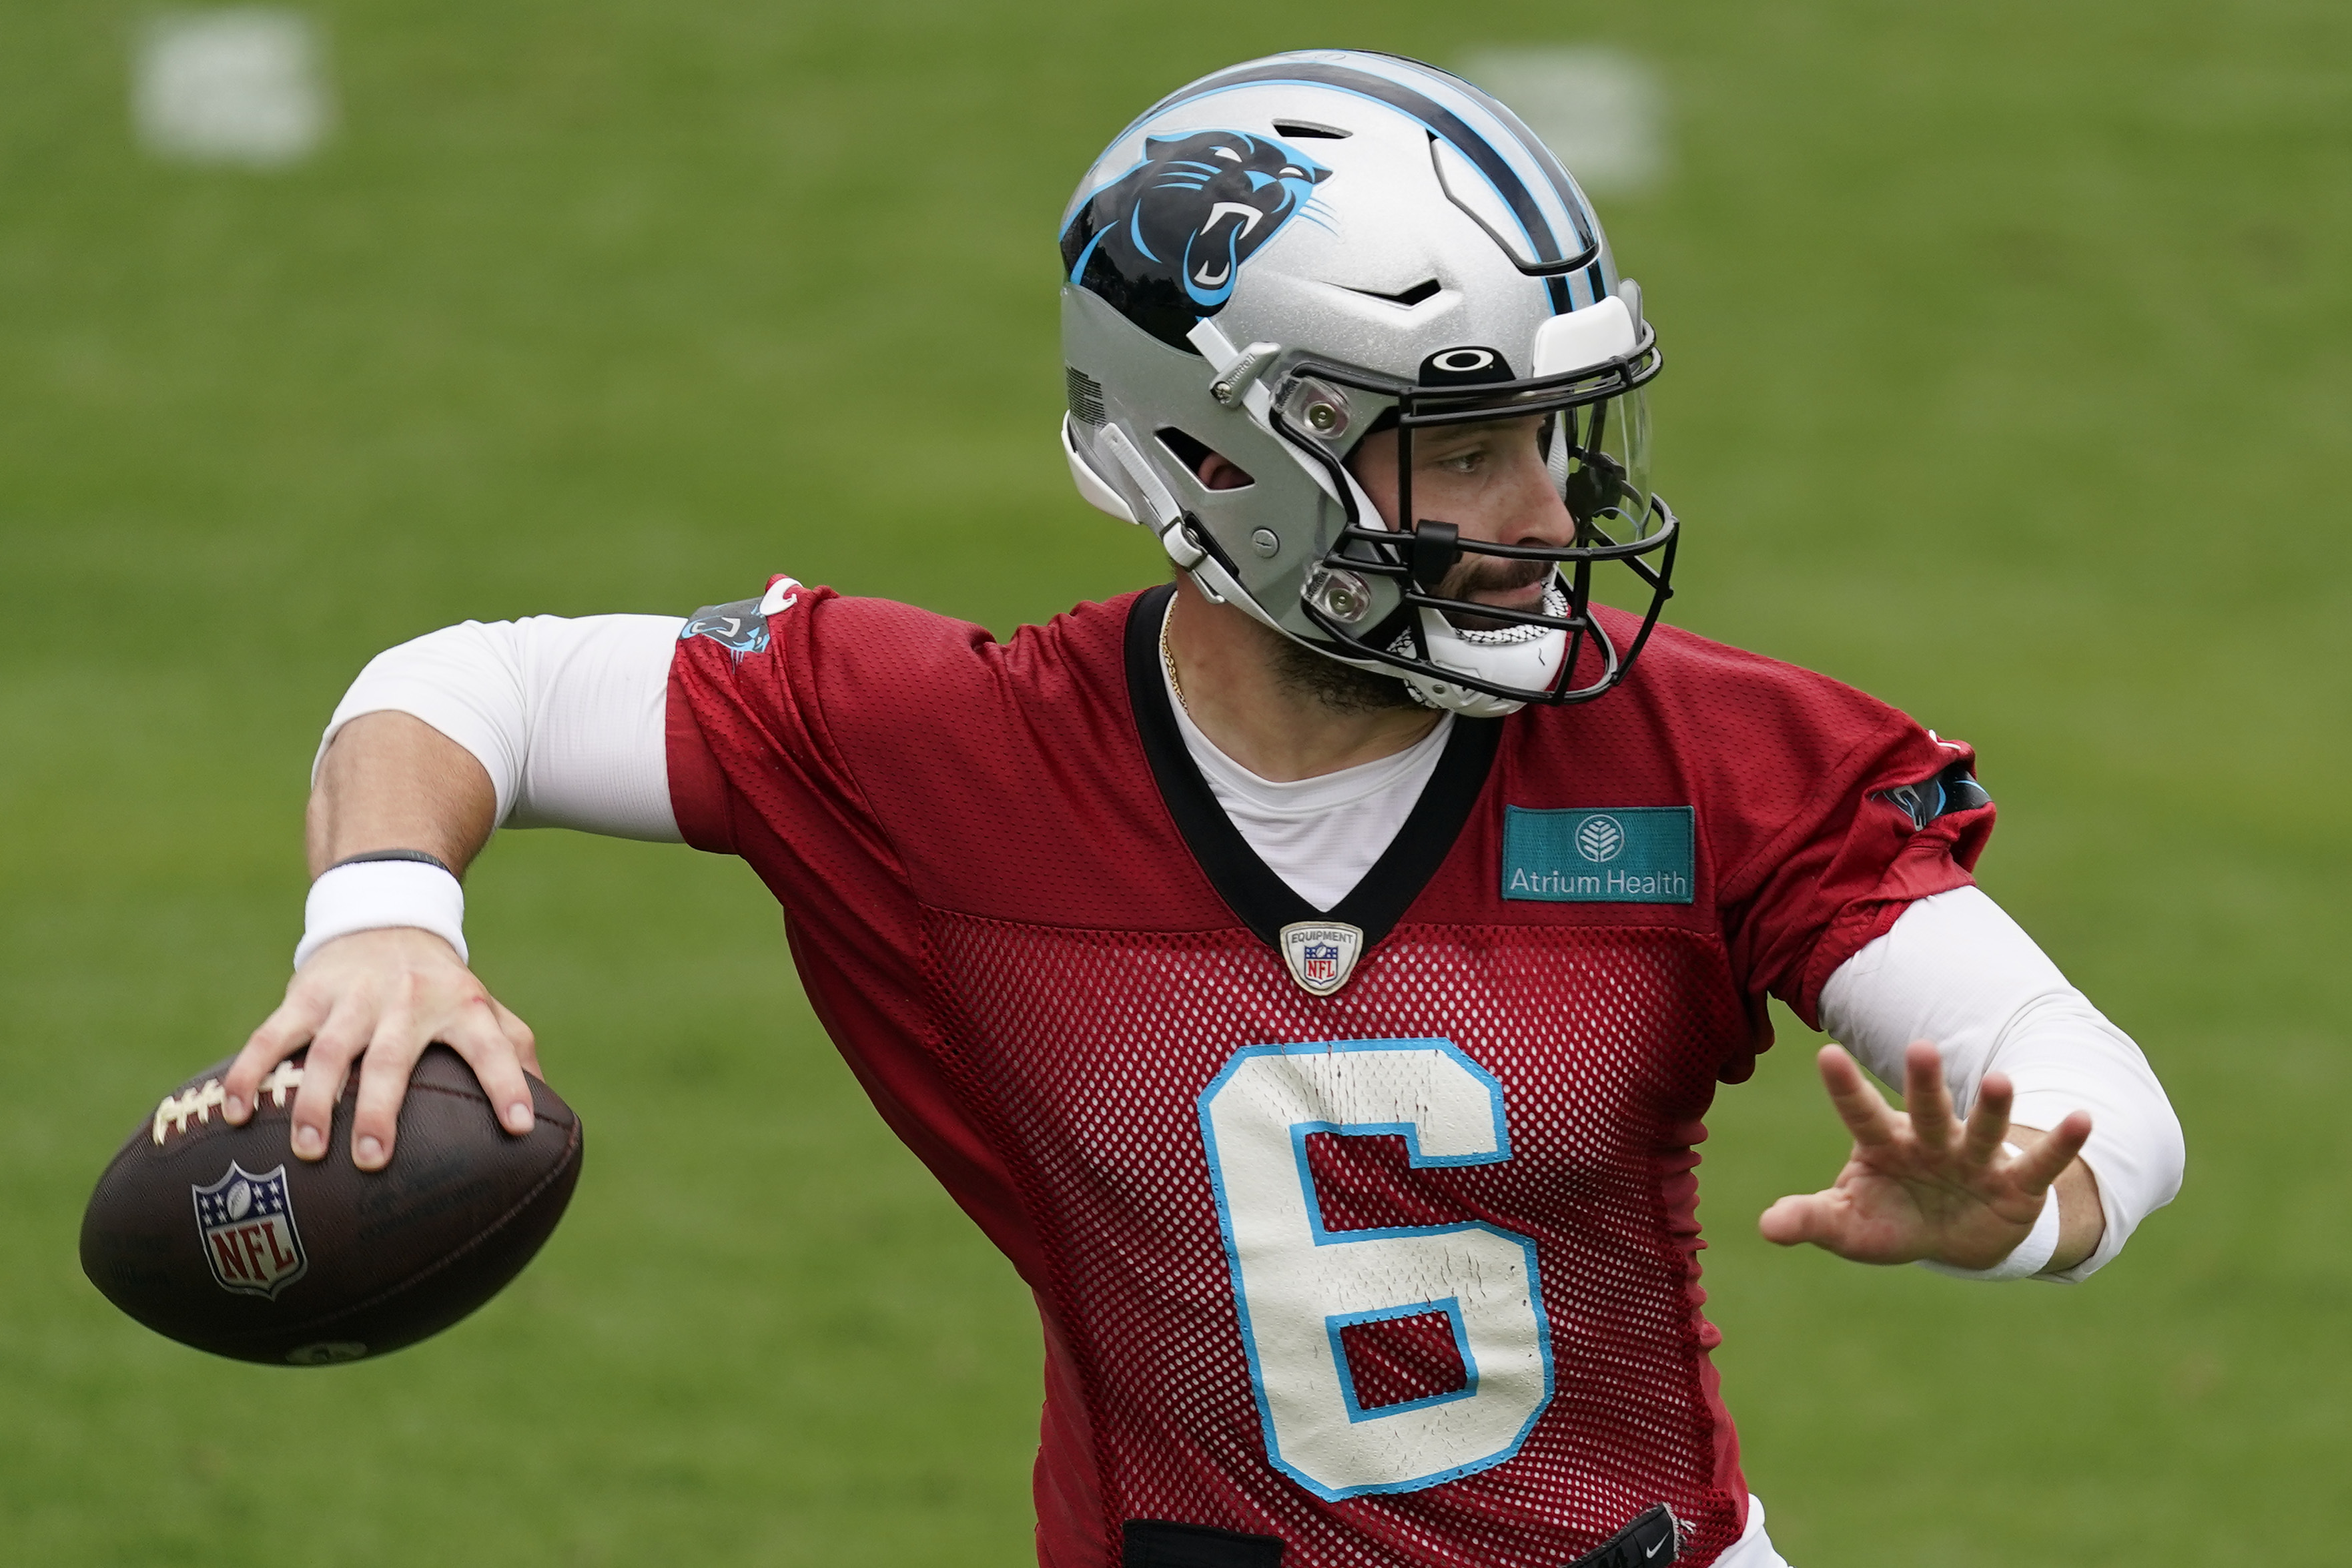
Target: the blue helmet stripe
pixel 1503 129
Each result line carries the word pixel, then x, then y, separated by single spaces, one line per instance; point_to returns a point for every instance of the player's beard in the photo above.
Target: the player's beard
pixel 1341 688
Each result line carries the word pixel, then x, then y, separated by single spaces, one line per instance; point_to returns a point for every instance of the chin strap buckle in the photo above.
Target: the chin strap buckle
pixel 1183 545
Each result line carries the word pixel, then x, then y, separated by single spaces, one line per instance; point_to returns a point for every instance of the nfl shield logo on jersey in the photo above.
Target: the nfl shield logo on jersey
pixel 246 1223
pixel 1321 957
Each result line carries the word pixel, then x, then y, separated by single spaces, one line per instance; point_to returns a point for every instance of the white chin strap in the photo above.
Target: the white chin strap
pixel 1525 657
pixel 1468 701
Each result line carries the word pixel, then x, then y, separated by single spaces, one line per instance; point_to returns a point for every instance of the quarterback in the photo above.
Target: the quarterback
pixel 1314 972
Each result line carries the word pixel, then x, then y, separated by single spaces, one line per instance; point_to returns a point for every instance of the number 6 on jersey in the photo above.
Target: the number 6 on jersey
pixel 1298 1283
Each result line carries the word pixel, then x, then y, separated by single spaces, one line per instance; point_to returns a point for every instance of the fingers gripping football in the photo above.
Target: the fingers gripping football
pixel 373 1001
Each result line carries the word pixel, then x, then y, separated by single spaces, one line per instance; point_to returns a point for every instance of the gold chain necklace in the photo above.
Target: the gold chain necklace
pixel 1168 658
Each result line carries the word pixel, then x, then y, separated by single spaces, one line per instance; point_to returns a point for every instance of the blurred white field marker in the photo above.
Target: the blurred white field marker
pixel 238 85
pixel 1602 110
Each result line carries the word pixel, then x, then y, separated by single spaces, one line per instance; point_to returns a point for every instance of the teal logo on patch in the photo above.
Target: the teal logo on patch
pixel 1624 855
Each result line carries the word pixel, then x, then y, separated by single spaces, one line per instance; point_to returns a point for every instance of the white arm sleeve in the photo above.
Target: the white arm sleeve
pixel 1956 970
pixel 566 716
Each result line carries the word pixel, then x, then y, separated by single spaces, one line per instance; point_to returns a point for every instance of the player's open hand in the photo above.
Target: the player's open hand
pixel 378 998
pixel 1922 1184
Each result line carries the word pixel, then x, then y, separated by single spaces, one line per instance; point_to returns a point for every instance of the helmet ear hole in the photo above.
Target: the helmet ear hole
pixel 1213 470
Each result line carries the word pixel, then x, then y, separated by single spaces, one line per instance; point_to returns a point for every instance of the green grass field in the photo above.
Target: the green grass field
pixel 2010 349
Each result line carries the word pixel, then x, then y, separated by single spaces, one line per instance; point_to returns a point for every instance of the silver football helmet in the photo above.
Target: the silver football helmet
pixel 1286 256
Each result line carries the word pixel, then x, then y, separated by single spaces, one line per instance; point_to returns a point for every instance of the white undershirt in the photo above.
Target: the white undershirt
pixel 1320 834
pixel 567 718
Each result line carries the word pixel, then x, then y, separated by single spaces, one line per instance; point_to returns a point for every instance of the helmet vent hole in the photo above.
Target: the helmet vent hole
pixel 1427 288
pixel 1213 468
pixel 1310 130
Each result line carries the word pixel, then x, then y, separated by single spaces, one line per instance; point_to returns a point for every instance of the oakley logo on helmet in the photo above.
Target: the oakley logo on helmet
pixel 1465 367
pixel 1164 242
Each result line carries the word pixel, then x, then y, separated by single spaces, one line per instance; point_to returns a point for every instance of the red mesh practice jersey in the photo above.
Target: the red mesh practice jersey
pixel 1402 1275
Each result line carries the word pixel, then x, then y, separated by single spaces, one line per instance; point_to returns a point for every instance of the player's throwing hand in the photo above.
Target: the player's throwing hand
pixel 1922 1184
pixel 377 998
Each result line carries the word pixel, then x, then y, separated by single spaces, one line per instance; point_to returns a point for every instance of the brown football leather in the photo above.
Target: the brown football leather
pixel 219 1237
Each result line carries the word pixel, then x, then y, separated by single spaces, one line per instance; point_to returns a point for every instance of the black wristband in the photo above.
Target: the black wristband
pixel 418 855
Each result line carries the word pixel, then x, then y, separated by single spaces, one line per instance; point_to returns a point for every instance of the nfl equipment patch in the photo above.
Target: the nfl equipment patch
pixel 248 1225
pixel 1321 957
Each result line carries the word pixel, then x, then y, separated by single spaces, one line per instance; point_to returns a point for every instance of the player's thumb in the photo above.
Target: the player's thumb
pixel 1794 1220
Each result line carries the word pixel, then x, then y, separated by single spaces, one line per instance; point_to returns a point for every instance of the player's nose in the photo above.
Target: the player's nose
pixel 1538 514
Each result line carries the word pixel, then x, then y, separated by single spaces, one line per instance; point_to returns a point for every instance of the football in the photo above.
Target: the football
pixel 219 1237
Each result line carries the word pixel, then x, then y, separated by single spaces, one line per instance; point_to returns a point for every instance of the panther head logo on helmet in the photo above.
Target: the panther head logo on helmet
pixel 1164 241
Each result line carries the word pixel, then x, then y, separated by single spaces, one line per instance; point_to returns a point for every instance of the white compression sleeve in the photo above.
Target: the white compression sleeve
pixel 1956 970
pixel 565 715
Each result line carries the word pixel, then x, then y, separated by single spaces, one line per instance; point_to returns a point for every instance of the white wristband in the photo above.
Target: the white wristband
pixel 373 895
pixel 2031 1255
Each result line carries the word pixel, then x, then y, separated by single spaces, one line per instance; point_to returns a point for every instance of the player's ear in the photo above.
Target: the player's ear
pixel 1213 470
pixel 1218 472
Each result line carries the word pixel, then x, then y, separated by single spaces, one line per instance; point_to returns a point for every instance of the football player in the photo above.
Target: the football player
pixel 1312 973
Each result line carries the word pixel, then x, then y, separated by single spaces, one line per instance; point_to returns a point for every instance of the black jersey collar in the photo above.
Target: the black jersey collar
pixel 1265 902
